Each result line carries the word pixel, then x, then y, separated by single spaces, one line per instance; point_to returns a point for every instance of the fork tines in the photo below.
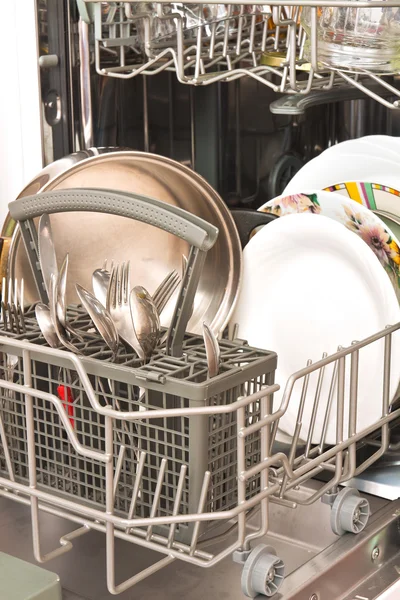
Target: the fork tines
pixel 119 286
pixel 12 306
pixel 165 290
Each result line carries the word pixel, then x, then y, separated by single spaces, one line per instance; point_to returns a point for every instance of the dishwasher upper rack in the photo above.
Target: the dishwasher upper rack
pixel 259 472
pixel 262 41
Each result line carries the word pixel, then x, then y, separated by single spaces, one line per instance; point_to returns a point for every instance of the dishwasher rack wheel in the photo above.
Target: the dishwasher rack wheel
pixel 350 512
pixel 263 572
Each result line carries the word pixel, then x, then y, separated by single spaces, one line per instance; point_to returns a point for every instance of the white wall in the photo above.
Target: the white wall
pixel 20 123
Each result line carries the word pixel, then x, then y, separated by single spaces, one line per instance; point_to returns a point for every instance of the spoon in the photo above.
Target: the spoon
pixel 145 318
pixel 60 331
pixel 101 318
pixel 61 300
pixel 62 288
pixel 100 283
pixel 46 326
pixel 213 351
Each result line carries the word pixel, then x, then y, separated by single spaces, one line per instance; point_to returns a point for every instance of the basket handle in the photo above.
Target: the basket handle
pixel 194 230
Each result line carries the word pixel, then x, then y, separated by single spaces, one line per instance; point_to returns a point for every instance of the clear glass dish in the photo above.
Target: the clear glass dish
pixel 356 38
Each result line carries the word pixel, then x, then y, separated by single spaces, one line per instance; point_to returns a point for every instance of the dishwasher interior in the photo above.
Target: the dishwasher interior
pixel 240 135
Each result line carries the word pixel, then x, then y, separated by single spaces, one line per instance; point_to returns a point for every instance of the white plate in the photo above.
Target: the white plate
pixel 353 215
pixel 325 171
pixel 377 146
pixel 386 143
pixel 303 295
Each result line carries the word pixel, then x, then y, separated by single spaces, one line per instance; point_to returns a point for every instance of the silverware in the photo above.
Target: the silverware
pixel 162 295
pixel 213 351
pixel 165 290
pixel 47 253
pixel 46 325
pixel 49 266
pixel 145 318
pixel 61 312
pixel 101 318
pixel 118 306
pixel 59 329
pixel 62 288
pixel 100 283
pixel 12 306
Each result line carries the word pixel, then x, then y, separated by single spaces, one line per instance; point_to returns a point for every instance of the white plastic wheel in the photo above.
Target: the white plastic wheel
pixel 350 512
pixel 263 572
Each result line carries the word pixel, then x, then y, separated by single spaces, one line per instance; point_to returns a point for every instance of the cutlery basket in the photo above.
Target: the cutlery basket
pixel 170 449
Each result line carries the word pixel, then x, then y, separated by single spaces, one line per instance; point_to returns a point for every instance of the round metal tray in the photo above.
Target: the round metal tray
pixel 91 238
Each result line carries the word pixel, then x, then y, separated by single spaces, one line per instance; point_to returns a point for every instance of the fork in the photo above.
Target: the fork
pixel 12 306
pixel 165 290
pixel 101 282
pixel 162 295
pixel 118 306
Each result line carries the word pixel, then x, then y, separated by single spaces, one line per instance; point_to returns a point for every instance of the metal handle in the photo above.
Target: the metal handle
pixel 190 228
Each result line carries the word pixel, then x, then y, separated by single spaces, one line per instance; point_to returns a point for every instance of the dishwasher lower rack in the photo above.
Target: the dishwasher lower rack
pixel 206 43
pixel 159 455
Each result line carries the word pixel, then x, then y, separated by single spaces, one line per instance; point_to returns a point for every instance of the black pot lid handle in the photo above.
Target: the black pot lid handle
pixel 247 220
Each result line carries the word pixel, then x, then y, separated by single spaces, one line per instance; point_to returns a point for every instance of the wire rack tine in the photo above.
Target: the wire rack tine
pixel 136 487
pixel 296 436
pixel 178 498
pixel 157 494
pixel 200 510
pixel 316 402
pixel 118 468
pixel 331 397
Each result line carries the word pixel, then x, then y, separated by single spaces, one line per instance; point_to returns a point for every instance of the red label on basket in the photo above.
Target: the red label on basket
pixel 65 395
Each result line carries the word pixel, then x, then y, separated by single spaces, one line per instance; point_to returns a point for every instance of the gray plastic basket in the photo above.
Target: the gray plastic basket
pixel 160 462
pixel 200 443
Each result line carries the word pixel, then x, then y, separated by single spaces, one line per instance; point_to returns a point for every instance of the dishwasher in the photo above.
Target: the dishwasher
pixel 157 482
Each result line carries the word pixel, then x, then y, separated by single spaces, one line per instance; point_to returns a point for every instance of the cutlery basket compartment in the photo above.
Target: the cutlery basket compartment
pixel 156 459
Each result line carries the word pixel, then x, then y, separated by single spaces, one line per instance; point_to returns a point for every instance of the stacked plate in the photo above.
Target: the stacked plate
pixel 328 274
pixel 365 170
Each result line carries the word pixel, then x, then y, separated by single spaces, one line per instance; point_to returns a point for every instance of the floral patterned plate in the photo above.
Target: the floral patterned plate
pixel 381 199
pixel 353 215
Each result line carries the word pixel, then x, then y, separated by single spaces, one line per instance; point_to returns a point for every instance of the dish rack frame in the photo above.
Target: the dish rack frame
pixel 161 455
pixel 262 475
pixel 262 41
